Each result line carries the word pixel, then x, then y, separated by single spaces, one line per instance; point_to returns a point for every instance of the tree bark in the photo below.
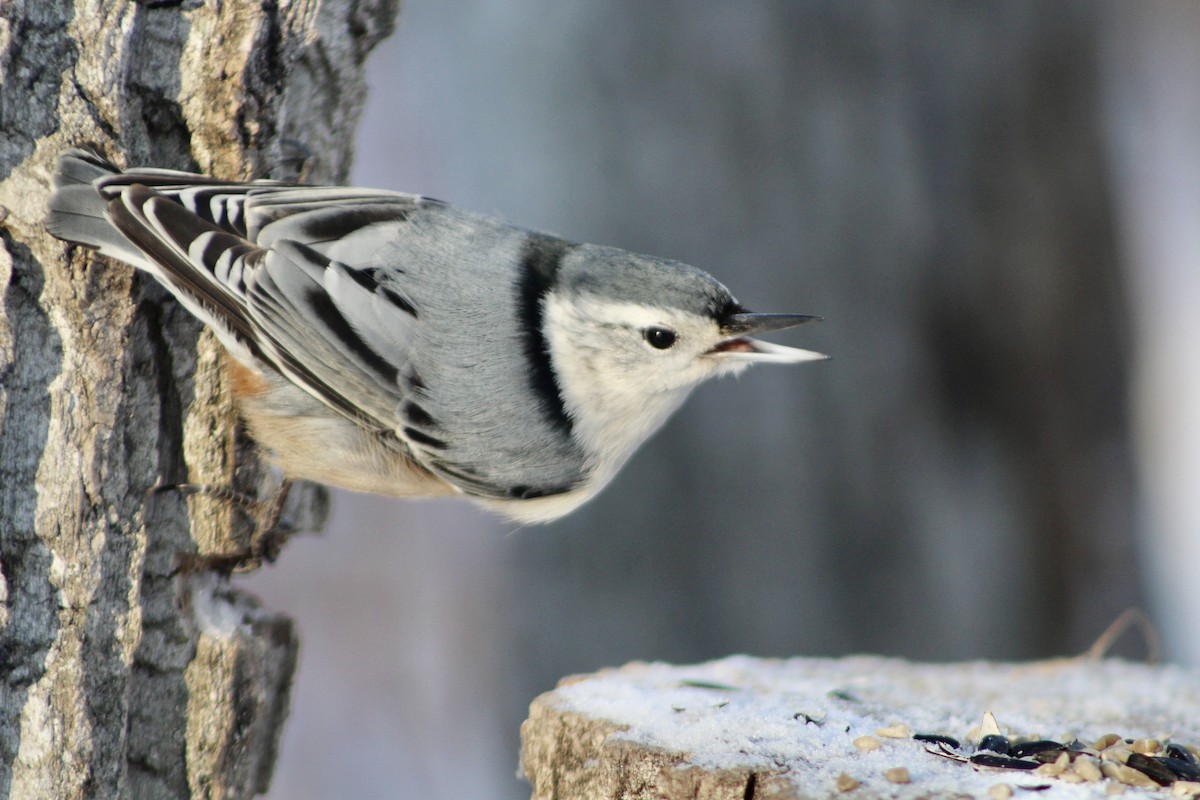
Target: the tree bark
pixel 124 673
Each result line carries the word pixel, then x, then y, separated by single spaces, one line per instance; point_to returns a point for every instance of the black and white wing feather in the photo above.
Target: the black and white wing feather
pixel 244 258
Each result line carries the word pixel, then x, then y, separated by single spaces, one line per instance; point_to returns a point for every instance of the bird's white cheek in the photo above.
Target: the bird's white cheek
pixel 612 408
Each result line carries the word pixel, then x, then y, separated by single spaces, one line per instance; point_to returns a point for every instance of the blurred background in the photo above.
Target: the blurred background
pixel 996 207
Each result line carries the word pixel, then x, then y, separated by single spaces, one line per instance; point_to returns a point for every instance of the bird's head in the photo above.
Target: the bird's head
pixel 630 335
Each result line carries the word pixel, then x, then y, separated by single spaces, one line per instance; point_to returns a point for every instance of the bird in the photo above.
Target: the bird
pixel 395 344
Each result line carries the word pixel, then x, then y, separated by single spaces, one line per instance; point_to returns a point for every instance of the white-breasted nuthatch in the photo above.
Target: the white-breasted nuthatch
pixel 391 343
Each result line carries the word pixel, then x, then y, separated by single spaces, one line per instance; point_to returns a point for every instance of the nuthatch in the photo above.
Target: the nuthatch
pixel 391 343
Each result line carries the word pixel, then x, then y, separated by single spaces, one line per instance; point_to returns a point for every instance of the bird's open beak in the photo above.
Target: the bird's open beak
pixel 740 347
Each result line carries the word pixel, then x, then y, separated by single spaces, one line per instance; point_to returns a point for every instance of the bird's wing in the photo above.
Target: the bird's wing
pixel 318 213
pixel 332 329
pixel 256 263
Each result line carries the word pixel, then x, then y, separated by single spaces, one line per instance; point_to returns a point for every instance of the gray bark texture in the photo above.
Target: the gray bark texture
pixel 124 672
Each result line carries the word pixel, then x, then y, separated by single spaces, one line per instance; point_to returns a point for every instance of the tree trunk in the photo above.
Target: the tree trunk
pixel 125 671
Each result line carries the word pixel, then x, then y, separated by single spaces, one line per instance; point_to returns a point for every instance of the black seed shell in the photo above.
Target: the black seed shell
pixel 1032 748
pixel 1181 752
pixel 995 743
pixel 1152 767
pixel 937 738
pixel 1182 770
pixel 1002 762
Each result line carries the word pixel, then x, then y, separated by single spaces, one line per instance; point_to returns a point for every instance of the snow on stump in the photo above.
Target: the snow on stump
pixel 743 728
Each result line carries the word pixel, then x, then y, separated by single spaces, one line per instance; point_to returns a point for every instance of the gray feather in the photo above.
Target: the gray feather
pixel 621 275
pixel 453 265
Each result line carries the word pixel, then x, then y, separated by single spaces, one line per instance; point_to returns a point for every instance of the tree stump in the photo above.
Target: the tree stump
pixel 744 728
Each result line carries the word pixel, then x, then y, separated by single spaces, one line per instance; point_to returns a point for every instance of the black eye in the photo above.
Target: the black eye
pixel 659 337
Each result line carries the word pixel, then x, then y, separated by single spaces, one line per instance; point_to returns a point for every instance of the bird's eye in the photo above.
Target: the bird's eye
pixel 660 338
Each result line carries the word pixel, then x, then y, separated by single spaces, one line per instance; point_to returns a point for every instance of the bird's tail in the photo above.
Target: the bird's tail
pixel 77 210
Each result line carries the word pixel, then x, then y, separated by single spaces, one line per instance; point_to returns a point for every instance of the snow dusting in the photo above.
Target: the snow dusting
pixel 800 718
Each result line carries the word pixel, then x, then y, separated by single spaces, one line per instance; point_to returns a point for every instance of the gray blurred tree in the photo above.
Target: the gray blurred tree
pixel 931 178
